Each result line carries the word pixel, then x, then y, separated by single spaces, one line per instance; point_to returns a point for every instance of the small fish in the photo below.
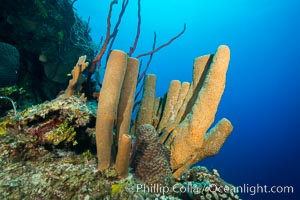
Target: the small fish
pixel 69 74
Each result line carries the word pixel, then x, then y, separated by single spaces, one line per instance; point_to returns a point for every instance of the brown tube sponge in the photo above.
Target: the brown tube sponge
pixel 200 64
pixel 215 139
pixel 191 131
pixel 172 123
pixel 123 156
pixel 212 144
pixel 200 68
pixel 107 106
pixel 144 115
pixel 185 86
pixel 127 97
pixel 169 109
pixel 205 108
pixel 156 112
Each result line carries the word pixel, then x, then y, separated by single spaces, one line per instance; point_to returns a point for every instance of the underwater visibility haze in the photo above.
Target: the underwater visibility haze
pixel 261 96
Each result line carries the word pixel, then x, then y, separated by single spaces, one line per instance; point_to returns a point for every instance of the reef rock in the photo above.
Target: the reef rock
pixel 62 121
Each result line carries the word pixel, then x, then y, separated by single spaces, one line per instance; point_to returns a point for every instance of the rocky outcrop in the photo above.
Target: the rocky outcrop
pixel 50 36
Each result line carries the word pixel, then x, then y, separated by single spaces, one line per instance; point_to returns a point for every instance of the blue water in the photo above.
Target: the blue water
pixel 263 82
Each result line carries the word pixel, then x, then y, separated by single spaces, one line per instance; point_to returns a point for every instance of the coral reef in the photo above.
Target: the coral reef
pixel 29 171
pixel 169 135
pixel 202 184
pixel 56 122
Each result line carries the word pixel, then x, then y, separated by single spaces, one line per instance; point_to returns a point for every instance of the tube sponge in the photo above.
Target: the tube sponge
pixel 145 113
pixel 107 106
pixel 127 97
pixel 190 133
pixel 123 156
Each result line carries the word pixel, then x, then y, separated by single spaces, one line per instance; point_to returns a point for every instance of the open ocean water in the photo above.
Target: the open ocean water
pixel 263 82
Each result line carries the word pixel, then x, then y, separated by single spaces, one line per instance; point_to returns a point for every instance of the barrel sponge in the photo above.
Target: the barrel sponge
pixel 150 159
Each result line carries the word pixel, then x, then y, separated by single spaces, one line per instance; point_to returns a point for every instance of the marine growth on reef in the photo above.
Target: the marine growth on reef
pixel 157 148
